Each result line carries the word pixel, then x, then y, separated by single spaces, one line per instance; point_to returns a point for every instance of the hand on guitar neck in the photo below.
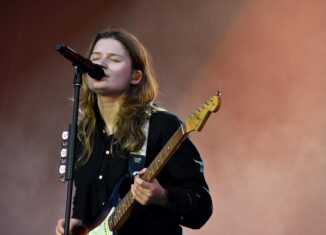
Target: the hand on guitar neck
pixel 149 192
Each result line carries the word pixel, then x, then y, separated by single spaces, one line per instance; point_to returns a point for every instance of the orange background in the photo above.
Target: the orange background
pixel 264 151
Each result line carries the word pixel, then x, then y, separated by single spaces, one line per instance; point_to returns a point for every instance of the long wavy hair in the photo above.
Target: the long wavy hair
pixel 136 105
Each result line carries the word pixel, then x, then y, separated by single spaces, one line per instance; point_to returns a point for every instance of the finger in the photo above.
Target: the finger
pixel 142 171
pixel 137 195
pixel 60 226
pixel 57 231
pixel 143 195
pixel 144 190
pixel 143 183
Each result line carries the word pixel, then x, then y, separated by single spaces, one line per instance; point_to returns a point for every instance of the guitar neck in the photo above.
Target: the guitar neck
pixel 165 154
pixel 120 215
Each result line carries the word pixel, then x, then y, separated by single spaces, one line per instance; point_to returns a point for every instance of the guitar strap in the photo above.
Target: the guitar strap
pixel 137 159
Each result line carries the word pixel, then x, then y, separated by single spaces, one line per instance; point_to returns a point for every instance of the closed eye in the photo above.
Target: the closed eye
pixel 115 58
pixel 94 58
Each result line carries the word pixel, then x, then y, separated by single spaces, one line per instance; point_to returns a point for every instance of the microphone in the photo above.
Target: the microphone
pixel 94 70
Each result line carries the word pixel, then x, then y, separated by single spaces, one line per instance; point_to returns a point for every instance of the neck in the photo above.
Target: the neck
pixel 109 108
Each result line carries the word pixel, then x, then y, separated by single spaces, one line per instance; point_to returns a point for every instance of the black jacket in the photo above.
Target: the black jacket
pixel 183 177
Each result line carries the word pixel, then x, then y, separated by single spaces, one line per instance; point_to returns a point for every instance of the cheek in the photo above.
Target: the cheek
pixel 123 69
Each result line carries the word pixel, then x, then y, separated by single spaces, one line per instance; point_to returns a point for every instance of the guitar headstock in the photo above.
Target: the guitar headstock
pixel 198 118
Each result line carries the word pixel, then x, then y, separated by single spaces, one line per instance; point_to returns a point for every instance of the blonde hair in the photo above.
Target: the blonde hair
pixel 136 104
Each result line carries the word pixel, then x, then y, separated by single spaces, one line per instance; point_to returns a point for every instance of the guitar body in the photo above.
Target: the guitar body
pixel 101 225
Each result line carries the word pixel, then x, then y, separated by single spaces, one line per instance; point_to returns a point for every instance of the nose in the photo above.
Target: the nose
pixel 102 63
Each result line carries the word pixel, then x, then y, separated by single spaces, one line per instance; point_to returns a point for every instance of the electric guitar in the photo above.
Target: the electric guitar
pixel 116 211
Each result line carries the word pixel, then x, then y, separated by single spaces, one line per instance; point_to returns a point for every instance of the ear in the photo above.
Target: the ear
pixel 136 78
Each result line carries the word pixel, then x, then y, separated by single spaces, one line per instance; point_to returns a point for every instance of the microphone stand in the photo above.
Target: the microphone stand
pixel 69 175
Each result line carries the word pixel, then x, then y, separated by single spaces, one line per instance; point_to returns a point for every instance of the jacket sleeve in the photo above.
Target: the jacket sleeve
pixel 189 196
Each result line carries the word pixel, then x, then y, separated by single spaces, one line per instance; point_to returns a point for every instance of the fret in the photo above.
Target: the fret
pixel 124 207
pixel 126 200
pixel 163 154
pixel 116 216
pixel 121 207
pixel 118 213
pixel 156 164
pixel 116 219
pixel 130 198
pixel 153 167
pixel 113 218
pixel 149 174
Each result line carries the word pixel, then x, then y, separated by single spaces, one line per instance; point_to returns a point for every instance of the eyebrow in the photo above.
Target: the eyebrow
pixel 110 54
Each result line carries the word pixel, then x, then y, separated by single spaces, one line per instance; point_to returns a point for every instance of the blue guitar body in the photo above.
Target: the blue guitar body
pixel 101 226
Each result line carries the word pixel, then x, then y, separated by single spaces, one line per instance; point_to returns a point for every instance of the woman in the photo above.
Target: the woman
pixel 114 112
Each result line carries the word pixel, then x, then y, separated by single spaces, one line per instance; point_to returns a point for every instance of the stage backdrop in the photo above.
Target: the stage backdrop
pixel 264 151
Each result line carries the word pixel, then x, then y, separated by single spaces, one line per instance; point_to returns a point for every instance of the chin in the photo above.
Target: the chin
pixel 108 93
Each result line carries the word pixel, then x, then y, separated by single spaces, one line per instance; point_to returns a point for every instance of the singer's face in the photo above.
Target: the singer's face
pixel 115 60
